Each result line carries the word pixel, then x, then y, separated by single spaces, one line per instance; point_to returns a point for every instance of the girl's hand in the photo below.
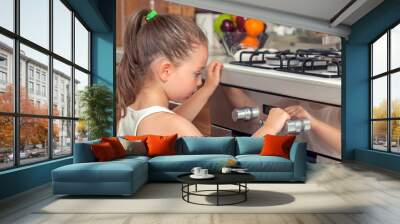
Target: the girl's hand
pixel 298 112
pixel 276 120
pixel 213 75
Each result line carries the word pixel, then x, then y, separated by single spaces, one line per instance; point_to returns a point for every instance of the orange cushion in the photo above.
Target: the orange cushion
pixel 103 151
pixel 116 145
pixel 275 145
pixel 161 145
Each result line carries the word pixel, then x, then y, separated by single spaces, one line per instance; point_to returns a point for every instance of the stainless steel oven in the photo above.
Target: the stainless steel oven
pixel 227 98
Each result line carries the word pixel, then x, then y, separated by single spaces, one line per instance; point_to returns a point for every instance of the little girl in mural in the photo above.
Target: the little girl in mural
pixel 164 56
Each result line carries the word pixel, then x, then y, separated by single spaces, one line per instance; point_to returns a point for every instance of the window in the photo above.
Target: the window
pixel 43 77
pixel 41 69
pixel 43 90
pixel 62 75
pixel 81 81
pixel 81 45
pixel 7 14
pixel 37 74
pixel 7 89
pixel 62 29
pixel 385 94
pixel 30 72
pixel 3 72
pixel 38 89
pixel 3 61
pixel 62 140
pixel 34 21
pixel 30 87
pixel 55 96
pixel 6 143
pixel 3 78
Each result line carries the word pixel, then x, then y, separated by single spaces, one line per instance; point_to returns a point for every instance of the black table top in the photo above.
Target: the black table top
pixel 220 178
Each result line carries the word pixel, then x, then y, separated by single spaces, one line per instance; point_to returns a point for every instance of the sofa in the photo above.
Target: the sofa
pixel 126 175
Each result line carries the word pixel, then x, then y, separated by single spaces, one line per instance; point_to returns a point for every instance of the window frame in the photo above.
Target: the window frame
pixel 388 74
pixel 16 114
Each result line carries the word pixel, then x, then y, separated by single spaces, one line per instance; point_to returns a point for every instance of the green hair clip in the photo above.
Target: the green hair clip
pixel 150 16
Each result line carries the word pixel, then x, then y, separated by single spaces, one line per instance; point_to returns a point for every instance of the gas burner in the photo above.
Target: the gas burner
pixel 324 63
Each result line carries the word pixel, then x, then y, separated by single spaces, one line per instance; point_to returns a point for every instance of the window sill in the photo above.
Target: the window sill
pixel 381 159
pixel 25 167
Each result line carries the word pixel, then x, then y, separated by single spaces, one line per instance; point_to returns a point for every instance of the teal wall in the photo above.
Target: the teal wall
pixel 355 86
pixel 103 53
pixel 103 64
pixel 24 178
pixel 99 16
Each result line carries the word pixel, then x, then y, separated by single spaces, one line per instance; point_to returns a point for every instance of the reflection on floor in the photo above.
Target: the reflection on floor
pixel 377 188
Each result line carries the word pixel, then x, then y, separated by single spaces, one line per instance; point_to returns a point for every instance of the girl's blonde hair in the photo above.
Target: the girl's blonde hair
pixel 167 36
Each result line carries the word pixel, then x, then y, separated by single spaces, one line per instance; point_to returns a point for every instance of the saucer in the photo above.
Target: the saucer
pixel 208 176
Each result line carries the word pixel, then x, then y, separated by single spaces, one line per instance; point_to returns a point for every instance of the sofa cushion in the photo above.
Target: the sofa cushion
pixel 135 147
pixel 159 145
pixel 185 163
pixel 255 163
pixel 118 177
pixel 249 145
pixel 116 145
pixel 206 145
pixel 277 145
pixel 93 172
pixel 103 152
pixel 111 171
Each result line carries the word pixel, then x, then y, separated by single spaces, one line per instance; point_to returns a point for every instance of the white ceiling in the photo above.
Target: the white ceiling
pixel 320 9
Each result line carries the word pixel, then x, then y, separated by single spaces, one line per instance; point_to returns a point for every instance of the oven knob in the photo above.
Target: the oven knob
pixel 245 113
pixel 297 126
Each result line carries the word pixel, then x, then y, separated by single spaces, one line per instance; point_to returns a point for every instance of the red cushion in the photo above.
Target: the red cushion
pixel 103 151
pixel 116 145
pixel 161 145
pixel 275 145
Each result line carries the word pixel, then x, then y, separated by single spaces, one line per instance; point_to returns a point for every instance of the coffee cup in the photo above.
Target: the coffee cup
pixel 226 170
pixel 196 170
pixel 203 172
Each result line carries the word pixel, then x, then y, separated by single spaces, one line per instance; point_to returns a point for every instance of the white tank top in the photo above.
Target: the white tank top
pixel 128 125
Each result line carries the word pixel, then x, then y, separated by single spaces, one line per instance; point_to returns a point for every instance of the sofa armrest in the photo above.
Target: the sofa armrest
pixel 83 152
pixel 298 155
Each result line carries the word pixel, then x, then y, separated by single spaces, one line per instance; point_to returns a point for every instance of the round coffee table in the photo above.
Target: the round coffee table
pixel 238 179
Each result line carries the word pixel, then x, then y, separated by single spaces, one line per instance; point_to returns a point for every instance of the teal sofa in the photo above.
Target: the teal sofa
pixel 125 176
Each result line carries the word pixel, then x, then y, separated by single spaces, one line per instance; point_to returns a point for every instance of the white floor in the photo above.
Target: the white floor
pixel 376 188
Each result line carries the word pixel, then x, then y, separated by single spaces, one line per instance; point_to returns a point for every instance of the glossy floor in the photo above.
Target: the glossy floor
pixel 379 189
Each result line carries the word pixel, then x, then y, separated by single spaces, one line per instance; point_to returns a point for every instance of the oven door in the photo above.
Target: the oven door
pixel 225 99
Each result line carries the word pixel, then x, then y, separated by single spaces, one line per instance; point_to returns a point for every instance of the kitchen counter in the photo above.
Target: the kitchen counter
pixel 324 90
